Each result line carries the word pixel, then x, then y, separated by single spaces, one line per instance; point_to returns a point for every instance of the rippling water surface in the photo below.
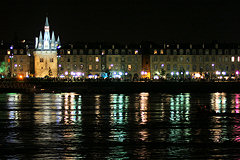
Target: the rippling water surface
pixel 119 126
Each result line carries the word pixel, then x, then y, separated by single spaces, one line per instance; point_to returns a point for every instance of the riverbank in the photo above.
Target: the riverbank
pixel 119 87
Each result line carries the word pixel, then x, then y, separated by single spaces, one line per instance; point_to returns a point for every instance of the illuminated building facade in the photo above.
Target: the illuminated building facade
pixel 195 61
pixel 45 54
pixel 47 57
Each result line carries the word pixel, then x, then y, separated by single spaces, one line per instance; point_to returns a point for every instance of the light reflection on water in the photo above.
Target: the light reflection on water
pixel 119 126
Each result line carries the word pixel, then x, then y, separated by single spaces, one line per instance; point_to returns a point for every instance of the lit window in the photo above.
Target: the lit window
pixel 90 67
pixel 238 58
pixel 8 52
pixel 129 67
pixel 103 52
pixel 68 52
pixel 136 52
pixel 97 59
pixel 155 51
pixel 233 59
pixel 161 51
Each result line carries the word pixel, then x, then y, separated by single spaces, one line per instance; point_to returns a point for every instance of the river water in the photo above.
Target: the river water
pixel 120 126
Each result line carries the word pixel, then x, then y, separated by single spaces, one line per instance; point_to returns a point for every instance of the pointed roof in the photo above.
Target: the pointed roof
pixel 40 36
pixel 58 40
pixel 46 23
pixel 53 37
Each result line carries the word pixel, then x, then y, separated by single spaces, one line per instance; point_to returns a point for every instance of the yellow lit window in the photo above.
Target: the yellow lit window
pixel 97 59
pixel 8 52
pixel 136 52
pixel 90 67
pixel 161 52
pixel 155 51
pixel 68 52
pixel 129 67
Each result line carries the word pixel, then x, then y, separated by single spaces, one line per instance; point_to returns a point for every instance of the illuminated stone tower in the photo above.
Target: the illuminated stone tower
pixel 45 54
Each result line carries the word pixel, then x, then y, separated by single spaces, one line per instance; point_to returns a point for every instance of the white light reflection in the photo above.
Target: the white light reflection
pixel 119 116
pixel 144 107
pixel 179 114
pixel 218 132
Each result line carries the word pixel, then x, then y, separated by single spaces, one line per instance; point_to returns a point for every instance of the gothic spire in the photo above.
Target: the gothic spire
pixel 40 36
pixel 53 37
pixel 46 23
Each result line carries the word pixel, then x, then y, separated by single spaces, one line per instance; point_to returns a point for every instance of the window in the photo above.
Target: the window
pixel 90 51
pixel 96 66
pixel 90 59
pixel 174 51
pixel 68 52
pixel 81 59
pixel 97 59
pixel 90 67
pixel 155 67
pixel 232 59
pixel 41 59
pixel 155 51
pixel 213 59
pixel 74 51
pixel 181 51
pixel 161 58
pixel 129 59
pixel 51 59
pixel 81 51
pixel 174 67
pixel 74 59
pixel 96 51
pixel 136 51
pixel 207 58
pixel 68 59
pixel 194 59
pixel 129 67
pixel 194 67
pixel 15 59
pixel 110 59
pixel 161 51
pixel 8 52
pixel 123 59
pixel 226 59
pixel 116 51
pixel 75 67
pixel 154 59
pixel 187 59
pixel 238 58
pixel 21 51
pixel 181 59
pixel 175 58
pixel 116 59
pixel 81 67
pixel 168 67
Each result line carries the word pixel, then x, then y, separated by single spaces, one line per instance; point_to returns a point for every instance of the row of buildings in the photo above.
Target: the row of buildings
pixel 49 58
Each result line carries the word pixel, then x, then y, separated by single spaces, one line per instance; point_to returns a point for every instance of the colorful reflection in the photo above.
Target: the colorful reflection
pixel 218 131
pixel 72 108
pixel 179 115
pixel 218 102
pixel 119 118
pixel 13 106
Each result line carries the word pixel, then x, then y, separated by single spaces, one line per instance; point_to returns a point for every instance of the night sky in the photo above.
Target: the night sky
pixel 123 20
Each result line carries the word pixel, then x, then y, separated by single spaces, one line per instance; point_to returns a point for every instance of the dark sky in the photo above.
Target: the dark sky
pixel 123 20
